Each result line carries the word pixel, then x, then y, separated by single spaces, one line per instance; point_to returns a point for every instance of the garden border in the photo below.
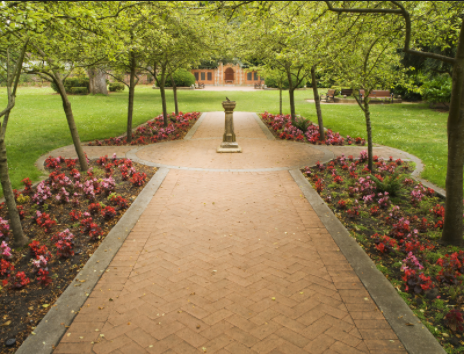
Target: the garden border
pixel 195 127
pixel 416 339
pixel 263 127
pixel 51 328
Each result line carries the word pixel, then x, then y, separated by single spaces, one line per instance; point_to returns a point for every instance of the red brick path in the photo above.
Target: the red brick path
pixel 229 263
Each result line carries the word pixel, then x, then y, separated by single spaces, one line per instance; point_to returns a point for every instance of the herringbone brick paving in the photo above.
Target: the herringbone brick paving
pixel 229 263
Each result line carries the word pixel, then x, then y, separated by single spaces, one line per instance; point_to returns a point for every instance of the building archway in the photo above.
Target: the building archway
pixel 229 75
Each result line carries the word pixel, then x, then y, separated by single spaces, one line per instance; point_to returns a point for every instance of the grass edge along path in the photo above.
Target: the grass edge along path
pixel 38 125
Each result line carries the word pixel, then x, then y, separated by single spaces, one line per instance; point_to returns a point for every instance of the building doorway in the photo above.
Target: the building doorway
pixel 229 76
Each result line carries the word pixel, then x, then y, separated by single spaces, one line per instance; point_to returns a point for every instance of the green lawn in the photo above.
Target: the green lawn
pixel 38 125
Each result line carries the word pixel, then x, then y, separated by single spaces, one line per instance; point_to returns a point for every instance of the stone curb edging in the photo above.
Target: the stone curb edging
pixel 195 127
pixel 263 127
pixel 51 329
pixel 416 339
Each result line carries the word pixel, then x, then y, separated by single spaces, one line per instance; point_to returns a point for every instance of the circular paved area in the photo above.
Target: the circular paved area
pixel 257 154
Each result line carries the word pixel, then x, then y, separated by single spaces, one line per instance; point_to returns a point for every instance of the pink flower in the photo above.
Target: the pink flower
pixel 6 251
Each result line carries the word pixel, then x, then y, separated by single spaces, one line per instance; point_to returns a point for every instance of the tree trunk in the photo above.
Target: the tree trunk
pixel 291 93
pixel 453 224
pixel 130 108
pixel 163 95
pixel 280 97
pixel 317 102
pixel 71 123
pixel 97 81
pixel 367 114
pixel 15 222
pixel 174 92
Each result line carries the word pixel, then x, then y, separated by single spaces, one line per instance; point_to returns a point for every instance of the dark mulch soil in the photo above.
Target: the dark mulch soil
pixel 441 288
pixel 22 309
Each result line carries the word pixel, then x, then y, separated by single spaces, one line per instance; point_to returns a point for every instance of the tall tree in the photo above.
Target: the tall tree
pixel 435 20
pixel 174 41
pixel 10 71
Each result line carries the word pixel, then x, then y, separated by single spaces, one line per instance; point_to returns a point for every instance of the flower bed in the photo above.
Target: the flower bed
pixel 305 131
pixel 66 217
pixel 154 131
pixel 399 222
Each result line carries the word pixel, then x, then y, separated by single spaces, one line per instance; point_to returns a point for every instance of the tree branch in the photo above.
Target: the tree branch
pixel 407 18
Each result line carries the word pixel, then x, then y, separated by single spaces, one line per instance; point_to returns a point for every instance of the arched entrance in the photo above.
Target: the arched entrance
pixel 229 76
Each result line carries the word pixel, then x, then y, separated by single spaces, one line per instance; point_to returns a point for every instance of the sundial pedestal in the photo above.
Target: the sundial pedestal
pixel 229 143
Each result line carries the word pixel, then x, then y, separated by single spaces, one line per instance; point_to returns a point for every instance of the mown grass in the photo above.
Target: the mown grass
pixel 38 125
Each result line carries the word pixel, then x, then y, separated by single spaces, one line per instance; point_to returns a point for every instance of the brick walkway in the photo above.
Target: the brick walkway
pixel 229 263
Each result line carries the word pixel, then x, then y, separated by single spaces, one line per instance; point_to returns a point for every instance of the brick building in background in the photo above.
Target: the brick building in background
pixel 227 74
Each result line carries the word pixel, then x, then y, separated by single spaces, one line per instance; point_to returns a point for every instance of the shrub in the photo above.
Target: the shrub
pixel 302 124
pixel 273 82
pixel 72 82
pixel 79 90
pixel 454 320
pixel 408 94
pixel 390 184
pixel 181 77
pixel 116 86
pixel 437 90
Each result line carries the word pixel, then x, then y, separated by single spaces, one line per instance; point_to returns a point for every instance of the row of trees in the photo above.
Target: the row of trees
pixel 361 45
pixel 356 44
pixel 51 39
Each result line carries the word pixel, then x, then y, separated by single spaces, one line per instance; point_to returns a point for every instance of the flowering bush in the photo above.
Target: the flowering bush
pixel 75 174
pixel 85 225
pixel 75 215
pixel 416 283
pixel 6 251
pixel 341 204
pixel 94 208
pixel 401 229
pixel 384 244
pixel 384 200
pixel 138 179
pixel 19 281
pixel 454 321
pixel 154 131
pixel 64 244
pixel 108 213
pixel 452 268
pixel 4 227
pixel 37 250
pixel 43 278
pixel 411 262
pixel 119 201
pixel 42 194
pixel 62 196
pixel 6 268
pixel 44 221
pixel 108 185
pixel 438 210
pixel 53 162
pixel 40 263
pixel 27 186
pixel 95 232
pixel 374 211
